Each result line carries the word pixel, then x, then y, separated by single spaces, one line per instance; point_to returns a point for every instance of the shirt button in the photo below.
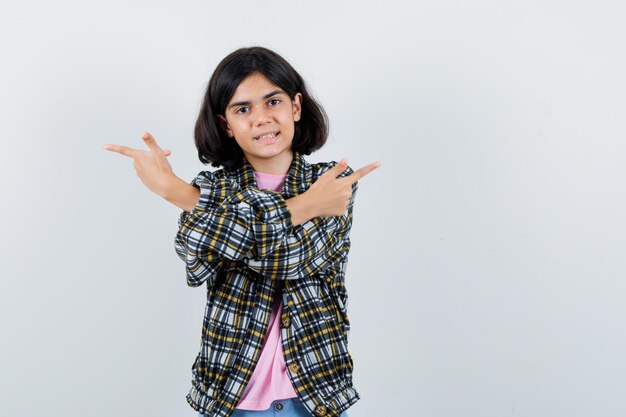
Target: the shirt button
pixel 286 320
pixel 294 367
pixel 320 410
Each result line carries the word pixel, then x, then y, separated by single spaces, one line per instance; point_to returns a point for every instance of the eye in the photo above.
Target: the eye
pixel 242 110
pixel 273 102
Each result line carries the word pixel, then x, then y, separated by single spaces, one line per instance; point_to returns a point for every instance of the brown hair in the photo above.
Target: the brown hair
pixel 214 147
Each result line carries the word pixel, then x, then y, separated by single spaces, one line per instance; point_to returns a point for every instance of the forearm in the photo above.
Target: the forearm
pixel 227 222
pixel 181 194
pixel 232 226
pixel 186 196
pixel 307 249
pixel 302 258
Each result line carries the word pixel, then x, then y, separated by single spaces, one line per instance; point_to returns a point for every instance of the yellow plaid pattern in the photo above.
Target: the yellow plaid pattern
pixel 240 241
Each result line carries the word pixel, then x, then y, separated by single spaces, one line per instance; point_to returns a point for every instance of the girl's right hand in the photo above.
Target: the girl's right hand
pixel 152 167
pixel 329 195
pixel 156 173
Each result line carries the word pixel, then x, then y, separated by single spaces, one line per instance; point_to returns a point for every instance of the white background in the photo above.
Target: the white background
pixel 487 271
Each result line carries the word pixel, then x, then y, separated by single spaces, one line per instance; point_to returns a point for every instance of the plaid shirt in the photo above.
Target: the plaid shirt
pixel 241 242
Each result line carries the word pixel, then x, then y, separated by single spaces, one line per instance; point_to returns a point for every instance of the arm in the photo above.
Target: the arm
pixel 251 225
pixel 309 248
pixel 186 197
pixel 230 223
pixel 198 269
pixel 226 224
pixel 276 249
pixel 324 240
pixel 233 224
pixel 223 224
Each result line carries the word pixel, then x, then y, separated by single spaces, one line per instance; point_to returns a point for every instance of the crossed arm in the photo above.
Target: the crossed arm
pixel 255 228
pixel 284 239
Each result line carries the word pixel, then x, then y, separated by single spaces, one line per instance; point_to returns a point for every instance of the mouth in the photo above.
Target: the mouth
pixel 268 137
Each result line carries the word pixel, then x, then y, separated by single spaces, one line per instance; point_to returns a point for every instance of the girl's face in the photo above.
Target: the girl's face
pixel 260 117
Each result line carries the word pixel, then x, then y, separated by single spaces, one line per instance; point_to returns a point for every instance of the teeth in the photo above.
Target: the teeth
pixel 268 136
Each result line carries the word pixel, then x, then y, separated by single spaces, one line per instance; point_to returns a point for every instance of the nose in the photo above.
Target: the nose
pixel 262 116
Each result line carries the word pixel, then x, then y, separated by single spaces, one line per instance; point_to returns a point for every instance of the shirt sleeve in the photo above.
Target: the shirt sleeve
pixel 229 224
pixel 309 249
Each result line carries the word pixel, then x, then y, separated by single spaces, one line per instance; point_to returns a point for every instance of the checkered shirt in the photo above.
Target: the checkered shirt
pixel 240 241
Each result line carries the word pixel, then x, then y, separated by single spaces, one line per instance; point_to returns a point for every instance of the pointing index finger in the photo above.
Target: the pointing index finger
pixel 360 173
pixel 123 150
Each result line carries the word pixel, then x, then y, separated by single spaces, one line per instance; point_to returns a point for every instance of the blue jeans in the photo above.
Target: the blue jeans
pixel 290 407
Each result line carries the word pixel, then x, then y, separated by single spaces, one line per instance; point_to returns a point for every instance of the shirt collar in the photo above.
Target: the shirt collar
pixel 297 181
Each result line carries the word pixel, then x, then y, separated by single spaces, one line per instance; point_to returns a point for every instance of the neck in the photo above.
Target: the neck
pixel 272 166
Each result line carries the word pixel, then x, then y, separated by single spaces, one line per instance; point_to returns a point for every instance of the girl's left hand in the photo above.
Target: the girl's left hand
pixel 152 167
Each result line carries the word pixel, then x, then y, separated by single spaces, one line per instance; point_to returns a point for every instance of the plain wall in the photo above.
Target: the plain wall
pixel 486 276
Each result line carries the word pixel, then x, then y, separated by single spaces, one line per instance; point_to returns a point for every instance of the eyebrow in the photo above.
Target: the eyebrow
pixel 265 97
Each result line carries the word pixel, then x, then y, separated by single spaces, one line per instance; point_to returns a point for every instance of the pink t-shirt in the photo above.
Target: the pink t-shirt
pixel 269 381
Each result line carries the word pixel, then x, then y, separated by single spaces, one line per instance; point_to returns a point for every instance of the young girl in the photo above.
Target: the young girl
pixel 269 235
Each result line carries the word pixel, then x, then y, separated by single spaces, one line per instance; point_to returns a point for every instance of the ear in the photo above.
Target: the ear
pixel 297 107
pixel 221 120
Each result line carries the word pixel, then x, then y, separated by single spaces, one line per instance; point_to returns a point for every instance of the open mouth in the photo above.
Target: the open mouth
pixel 268 137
